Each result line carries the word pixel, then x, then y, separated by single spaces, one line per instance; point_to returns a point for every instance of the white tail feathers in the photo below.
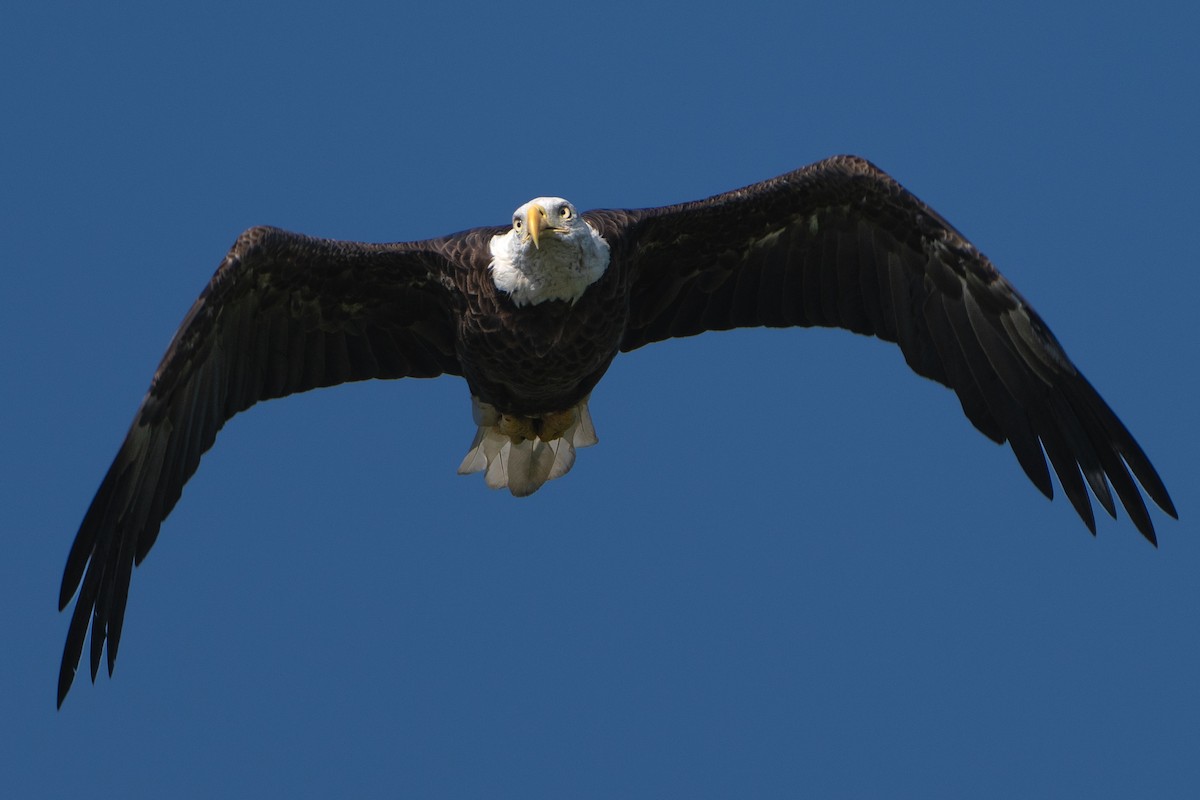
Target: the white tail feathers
pixel 517 458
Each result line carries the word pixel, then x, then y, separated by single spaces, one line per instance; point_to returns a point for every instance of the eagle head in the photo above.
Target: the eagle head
pixel 550 253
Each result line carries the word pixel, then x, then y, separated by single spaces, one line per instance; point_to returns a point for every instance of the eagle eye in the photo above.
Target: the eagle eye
pixel 565 212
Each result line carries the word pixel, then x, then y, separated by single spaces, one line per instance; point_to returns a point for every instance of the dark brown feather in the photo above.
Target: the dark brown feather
pixel 841 244
pixel 284 313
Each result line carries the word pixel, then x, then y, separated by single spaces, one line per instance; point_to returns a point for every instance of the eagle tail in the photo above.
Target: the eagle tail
pixel 522 463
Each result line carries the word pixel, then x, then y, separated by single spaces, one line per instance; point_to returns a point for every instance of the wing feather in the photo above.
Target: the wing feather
pixel 284 313
pixel 870 286
pixel 841 244
pixel 958 371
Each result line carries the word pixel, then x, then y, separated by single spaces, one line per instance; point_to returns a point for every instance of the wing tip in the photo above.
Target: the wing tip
pixel 66 676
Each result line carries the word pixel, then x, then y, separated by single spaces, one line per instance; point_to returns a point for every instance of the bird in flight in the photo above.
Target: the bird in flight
pixel 531 316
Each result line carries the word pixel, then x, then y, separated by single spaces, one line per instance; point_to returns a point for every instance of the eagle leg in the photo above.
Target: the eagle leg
pixel 520 452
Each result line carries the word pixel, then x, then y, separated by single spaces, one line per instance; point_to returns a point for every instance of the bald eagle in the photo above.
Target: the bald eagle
pixel 532 315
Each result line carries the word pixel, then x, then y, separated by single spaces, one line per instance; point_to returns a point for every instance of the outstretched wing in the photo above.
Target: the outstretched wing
pixel 841 244
pixel 284 313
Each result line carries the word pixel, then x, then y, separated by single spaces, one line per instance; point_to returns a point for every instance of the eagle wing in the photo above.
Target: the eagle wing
pixel 841 244
pixel 284 313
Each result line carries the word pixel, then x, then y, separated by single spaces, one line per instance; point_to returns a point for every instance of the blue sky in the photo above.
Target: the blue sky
pixel 789 568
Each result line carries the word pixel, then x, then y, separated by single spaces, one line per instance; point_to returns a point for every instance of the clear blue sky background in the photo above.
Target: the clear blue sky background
pixel 790 567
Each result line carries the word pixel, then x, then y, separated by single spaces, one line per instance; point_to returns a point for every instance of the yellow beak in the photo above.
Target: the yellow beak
pixel 535 221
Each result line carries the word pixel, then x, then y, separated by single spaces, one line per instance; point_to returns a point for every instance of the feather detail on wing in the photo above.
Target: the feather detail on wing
pixel 284 313
pixel 841 244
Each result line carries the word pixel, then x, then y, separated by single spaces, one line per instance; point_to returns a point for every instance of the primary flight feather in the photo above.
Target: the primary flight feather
pixel 533 314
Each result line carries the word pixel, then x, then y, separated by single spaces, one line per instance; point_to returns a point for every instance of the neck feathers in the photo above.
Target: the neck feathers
pixel 561 269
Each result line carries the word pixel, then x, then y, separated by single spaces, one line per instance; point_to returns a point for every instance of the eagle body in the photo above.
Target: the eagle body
pixel 534 359
pixel 532 315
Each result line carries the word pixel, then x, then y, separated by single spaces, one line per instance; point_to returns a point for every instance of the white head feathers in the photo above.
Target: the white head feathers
pixel 551 253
